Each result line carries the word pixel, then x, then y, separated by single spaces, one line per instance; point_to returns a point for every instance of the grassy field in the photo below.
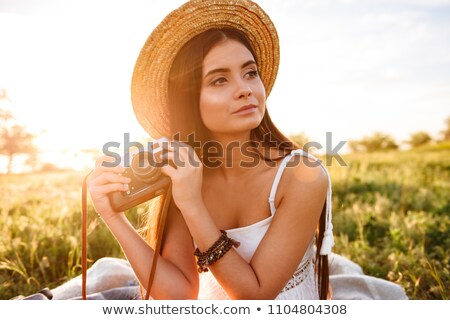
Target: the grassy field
pixel 391 216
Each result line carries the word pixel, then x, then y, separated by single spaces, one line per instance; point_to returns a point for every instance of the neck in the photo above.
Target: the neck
pixel 234 155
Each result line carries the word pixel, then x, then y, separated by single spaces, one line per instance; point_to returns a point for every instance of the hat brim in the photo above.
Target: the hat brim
pixel 149 86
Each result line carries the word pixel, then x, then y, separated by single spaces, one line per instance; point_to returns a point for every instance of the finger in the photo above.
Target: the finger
pixel 196 158
pixel 185 155
pixel 159 148
pixel 101 170
pixel 193 158
pixel 102 166
pixel 190 154
pixel 108 188
pixel 101 160
pixel 171 159
pixel 169 171
pixel 109 177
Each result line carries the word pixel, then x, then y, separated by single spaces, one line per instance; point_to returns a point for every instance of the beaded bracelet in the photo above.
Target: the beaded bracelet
pixel 215 252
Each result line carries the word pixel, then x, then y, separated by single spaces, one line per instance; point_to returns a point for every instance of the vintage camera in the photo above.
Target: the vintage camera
pixel 147 179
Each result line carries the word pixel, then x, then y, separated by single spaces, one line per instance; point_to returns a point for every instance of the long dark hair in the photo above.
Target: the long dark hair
pixel 184 93
pixel 184 114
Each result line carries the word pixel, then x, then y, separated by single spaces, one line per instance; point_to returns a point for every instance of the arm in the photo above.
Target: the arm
pixel 283 246
pixel 176 276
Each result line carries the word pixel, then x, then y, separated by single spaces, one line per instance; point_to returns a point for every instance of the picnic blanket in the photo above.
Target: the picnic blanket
pixel 114 279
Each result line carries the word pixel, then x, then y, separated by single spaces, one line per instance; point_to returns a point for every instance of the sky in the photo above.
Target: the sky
pixel 349 67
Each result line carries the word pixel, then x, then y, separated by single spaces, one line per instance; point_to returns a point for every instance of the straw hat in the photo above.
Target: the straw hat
pixel 149 87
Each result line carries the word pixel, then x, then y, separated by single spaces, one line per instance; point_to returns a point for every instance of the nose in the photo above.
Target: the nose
pixel 243 90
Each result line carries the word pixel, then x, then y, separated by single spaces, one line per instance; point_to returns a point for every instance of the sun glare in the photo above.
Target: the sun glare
pixel 68 82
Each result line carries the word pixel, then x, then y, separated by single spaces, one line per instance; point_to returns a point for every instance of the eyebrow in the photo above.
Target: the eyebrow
pixel 249 62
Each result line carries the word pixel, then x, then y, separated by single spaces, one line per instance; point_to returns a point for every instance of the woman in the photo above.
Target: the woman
pixel 206 72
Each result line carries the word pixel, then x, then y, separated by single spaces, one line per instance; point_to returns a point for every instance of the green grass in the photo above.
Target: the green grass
pixel 40 221
pixel 391 216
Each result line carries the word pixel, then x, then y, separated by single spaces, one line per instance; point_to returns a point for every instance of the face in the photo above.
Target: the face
pixel 232 96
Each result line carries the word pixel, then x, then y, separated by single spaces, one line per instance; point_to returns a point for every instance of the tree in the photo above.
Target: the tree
pixel 446 132
pixel 4 95
pixel 14 138
pixel 301 139
pixel 376 142
pixel 355 146
pixel 419 139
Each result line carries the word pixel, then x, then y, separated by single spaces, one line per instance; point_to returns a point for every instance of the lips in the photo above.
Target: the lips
pixel 247 107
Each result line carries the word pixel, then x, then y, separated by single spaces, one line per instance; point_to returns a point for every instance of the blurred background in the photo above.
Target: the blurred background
pixel 353 68
pixel 374 73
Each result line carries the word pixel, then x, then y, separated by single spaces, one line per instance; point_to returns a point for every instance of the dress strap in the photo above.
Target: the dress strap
pixel 328 240
pixel 276 181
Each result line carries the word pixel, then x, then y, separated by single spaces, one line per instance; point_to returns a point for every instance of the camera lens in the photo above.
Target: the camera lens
pixel 144 167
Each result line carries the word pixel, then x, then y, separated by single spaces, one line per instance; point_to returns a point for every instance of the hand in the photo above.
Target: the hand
pixel 104 180
pixel 186 172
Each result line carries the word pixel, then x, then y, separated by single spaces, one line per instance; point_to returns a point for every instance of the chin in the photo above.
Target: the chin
pixel 240 127
pixel 248 127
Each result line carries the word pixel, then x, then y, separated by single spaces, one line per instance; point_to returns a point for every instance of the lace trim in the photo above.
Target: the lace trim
pixel 298 277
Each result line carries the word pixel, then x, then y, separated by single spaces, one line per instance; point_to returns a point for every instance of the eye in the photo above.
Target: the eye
pixel 218 81
pixel 253 74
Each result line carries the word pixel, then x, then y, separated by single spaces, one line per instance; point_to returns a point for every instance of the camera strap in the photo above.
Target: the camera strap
pixel 84 217
pixel 84 236
pixel 159 235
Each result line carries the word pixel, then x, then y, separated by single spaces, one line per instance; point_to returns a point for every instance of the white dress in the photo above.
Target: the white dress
pixel 303 284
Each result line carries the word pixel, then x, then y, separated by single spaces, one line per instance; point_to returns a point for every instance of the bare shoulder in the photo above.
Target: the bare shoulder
pixel 302 193
pixel 305 178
